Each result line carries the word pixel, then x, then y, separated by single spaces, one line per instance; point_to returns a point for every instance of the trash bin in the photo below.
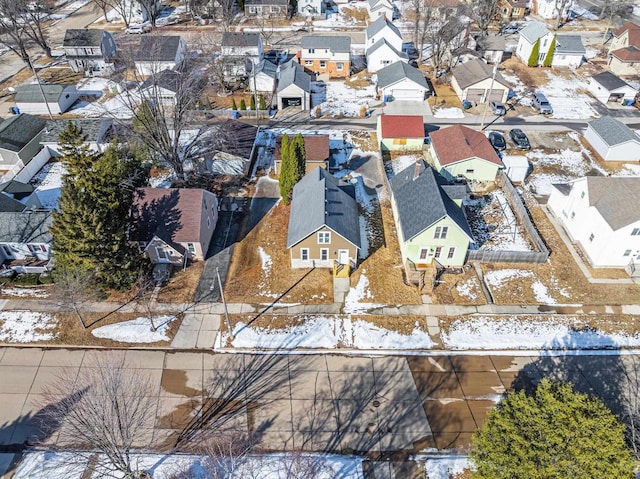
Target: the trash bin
pixel 466 104
pixel 235 115
pixel 15 110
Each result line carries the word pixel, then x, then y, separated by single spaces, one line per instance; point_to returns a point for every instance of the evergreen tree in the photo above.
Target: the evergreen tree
pixel 234 107
pixel 556 433
pixel 287 170
pixel 243 105
pixel 262 104
pixel 299 157
pixel 535 51
pixel 252 102
pixel 549 58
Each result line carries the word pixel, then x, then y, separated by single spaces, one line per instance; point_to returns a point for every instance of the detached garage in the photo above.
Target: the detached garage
pixel 608 88
pixel 294 86
pixel 613 140
pixel 472 81
pixel 400 81
pixel 57 98
pixel 400 132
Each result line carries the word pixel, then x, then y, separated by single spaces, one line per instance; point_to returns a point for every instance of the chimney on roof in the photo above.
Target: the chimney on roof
pixel 417 169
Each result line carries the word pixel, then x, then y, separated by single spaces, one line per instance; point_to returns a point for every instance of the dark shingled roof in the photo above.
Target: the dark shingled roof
pixel 25 227
pixel 471 72
pixel 422 201
pixel 267 67
pixel 335 44
pixel 379 24
pixel 267 2
pixel 398 71
pixel 318 201
pixel 167 79
pixel 83 37
pixel 293 73
pixel 17 131
pixel 235 39
pixel 613 131
pixel 91 128
pixel 609 80
pixel 158 48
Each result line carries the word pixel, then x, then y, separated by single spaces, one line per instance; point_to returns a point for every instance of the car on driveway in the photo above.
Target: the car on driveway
pixel 498 108
pixel 138 29
pixel 497 140
pixel 520 139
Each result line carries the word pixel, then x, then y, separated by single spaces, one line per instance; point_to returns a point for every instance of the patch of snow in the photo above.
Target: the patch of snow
pixel 48 183
pixel 266 261
pixel 51 465
pixel 468 289
pixel 26 326
pixel 549 333
pixel 352 302
pixel 337 98
pixel 498 277
pixel 541 293
pixel 370 336
pixel 116 107
pixel 136 330
pixel 445 467
pixel 163 180
pixel 25 292
pixel 399 163
pixel 451 112
pixel 567 99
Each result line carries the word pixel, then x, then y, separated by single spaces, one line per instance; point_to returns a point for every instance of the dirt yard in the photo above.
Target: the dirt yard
pixel 182 285
pixel 461 288
pixel 445 95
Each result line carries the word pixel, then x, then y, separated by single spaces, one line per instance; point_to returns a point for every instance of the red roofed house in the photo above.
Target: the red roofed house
pixel 624 51
pixel 171 225
pixel 400 132
pixel 459 151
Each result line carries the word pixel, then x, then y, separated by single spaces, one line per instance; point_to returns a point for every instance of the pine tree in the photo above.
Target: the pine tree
pixel 287 170
pixel 549 58
pixel 535 51
pixel 252 102
pixel 234 107
pixel 556 433
pixel 262 104
pixel 243 105
pixel 299 157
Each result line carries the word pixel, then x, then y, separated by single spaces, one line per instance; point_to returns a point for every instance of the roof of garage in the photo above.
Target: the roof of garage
pixel 399 71
pixel 292 73
pixel 469 73
pixel 401 126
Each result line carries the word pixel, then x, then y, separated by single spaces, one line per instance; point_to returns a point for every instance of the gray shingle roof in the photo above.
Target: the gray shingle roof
pixel 398 71
pixel 234 39
pixel 9 204
pixel 422 201
pixel 609 81
pixel 471 72
pixel 566 44
pixel 33 94
pixel 17 131
pixel 616 199
pixel 25 227
pixel 491 43
pixel 293 73
pixel 319 200
pixel 612 131
pixel 379 24
pixel 380 43
pixel 533 31
pixel 267 2
pixel 267 67
pixel 91 128
pixel 335 44
pixel 83 37
pixel 167 79
pixel 157 48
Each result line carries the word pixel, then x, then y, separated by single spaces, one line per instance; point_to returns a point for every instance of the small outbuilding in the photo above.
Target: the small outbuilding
pixel 516 167
pixel 400 81
pixel 59 98
pixel 472 81
pixel 609 88
pixel 400 132
pixel 613 140
pixel 294 87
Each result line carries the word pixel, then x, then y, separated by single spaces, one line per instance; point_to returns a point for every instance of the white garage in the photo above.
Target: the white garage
pixel 400 81
pixel 613 140
pixel 608 88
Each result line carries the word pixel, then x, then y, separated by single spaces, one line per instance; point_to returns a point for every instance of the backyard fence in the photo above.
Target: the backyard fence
pixel 520 210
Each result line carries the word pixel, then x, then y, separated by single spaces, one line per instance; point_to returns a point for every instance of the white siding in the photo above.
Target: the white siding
pixel 629 151
pixel 602 94
pixel 560 60
pixel 382 57
pixel 405 90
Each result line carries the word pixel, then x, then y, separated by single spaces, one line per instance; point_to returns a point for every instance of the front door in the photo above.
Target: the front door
pixel 343 256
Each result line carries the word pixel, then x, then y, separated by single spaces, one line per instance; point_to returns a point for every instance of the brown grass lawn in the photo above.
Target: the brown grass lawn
pixel 560 271
pixel 444 93
pixel 532 77
pixel 448 289
pixel 248 282
pixel 360 15
pixel 360 80
pixel 182 285
pixel 384 268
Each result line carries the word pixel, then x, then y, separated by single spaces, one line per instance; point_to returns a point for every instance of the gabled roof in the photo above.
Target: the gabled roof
pixel 627 54
pixel 335 44
pixel 25 227
pixel 17 131
pixel 379 25
pixel 267 67
pixel 569 44
pixel 534 31
pixel 383 42
pixel 172 214
pixel 83 37
pixel 399 71
pixel 471 72
pixel 315 146
pixel 235 39
pixel 421 201
pixel 267 2
pixel 615 198
pixel 610 81
pixel 401 126
pixel 457 143
pixel 292 73
pixel 495 43
pixel 634 33
pixel 318 201
pixel 157 48
pixel 166 79
pixel 612 131
pixel 32 93
pixel 92 128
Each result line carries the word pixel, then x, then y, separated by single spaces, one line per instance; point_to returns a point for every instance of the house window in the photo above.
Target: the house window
pixel 324 237
pixel 252 9
pixel 469 172
pixel 312 50
pixel 424 253
pixel 204 204
pixel 162 254
pixel 635 232
pixel 304 254
pixel 309 63
pixel 582 195
pixel 275 9
pixel 324 254
pixel 441 232
pixel 544 43
pixel 192 248
pixel 451 252
pixel 8 251
pixel 323 64
pixel 37 248
pixel 141 246
pixel 339 66
pixel 399 141
pixel 627 253
pixel 438 252
pixel 385 62
pixel 591 236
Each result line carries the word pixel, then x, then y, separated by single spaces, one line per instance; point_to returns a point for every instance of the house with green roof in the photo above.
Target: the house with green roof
pixel 57 98
pixel 433 231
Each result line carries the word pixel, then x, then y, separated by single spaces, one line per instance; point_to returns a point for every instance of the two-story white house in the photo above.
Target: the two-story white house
pixel 241 52
pixel 326 55
pixel 383 45
pixel 159 52
pixel 534 35
pixel 601 215
pixel 89 50
pixel 547 8
pixel 312 8
pixel 380 8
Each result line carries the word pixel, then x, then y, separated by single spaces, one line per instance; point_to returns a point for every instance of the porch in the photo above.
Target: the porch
pixel 27 265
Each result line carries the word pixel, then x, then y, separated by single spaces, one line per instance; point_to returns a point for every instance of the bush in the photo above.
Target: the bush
pixel 26 279
pixel 6 279
pixel 45 278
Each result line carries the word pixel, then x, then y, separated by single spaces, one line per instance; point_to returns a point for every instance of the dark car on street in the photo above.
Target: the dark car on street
pixel 497 141
pixel 520 139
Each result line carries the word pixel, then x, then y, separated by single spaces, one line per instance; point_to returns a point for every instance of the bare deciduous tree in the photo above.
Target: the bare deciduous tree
pixel 124 9
pixel 444 41
pixel 560 6
pixel 483 12
pixel 151 8
pixel 104 6
pixel 105 407
pixel 22 26
pixel 75 288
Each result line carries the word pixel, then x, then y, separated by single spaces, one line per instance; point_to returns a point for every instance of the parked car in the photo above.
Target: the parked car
pixel 541 104
pixel 138 29
pixel 497 140
pixel 520 139
pixel 498 108
pixel 510 30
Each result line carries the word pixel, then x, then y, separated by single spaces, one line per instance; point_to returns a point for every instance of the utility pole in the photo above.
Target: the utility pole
pixel 226 311
pixel 486 100
pixel 44 98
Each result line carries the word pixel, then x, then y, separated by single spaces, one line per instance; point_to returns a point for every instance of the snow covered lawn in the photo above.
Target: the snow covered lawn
pixel 399 163
pixel 328 332
pixel 450 112
pixel 26 326
pixel 336 98
pixel 544 332
pixel 25 292
pixel 137 330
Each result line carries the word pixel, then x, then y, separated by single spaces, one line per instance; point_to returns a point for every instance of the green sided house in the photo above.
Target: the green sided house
pixel 460 152
pixel 324 225
pixel 400 132
pixel 432 228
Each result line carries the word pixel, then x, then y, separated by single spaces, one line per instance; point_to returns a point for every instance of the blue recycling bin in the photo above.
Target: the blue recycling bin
pixel 235 115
